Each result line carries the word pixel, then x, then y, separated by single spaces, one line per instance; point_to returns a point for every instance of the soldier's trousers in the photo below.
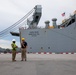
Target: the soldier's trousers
pixel 23 53
pixel 13 55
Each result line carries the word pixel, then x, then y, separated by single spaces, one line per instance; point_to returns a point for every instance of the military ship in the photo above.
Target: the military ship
pixel 56 38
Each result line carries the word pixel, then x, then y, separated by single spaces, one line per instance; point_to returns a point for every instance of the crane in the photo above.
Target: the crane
pixel 31 24
pixel 35 19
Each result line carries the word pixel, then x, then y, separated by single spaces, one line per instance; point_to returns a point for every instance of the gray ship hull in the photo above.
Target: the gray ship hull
pixel 51 40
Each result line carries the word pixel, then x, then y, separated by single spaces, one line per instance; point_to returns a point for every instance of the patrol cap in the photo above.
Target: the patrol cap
pixel 23 38
pixel 13 40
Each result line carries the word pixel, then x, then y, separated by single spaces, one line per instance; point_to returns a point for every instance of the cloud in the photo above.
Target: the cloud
pixel 7 44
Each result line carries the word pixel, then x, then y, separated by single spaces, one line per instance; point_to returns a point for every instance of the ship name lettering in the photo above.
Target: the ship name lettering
pixel 34 33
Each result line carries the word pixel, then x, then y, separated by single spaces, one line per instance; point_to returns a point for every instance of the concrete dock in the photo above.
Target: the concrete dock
pixel 39 64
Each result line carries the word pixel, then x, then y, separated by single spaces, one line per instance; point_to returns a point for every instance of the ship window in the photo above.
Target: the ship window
pixel 41 47
pixel 37 17
pixel 48 47
pixel 30 47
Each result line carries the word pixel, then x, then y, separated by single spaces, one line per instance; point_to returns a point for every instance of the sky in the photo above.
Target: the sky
pixel 13 10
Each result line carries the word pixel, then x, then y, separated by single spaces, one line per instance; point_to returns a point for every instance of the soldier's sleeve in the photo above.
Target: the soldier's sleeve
pixel 12 45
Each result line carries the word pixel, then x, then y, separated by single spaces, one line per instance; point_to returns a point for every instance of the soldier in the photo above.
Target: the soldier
pixel 13 50
pixel 23 49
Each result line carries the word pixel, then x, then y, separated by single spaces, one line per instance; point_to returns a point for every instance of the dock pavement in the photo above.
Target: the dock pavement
pixel 38 64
